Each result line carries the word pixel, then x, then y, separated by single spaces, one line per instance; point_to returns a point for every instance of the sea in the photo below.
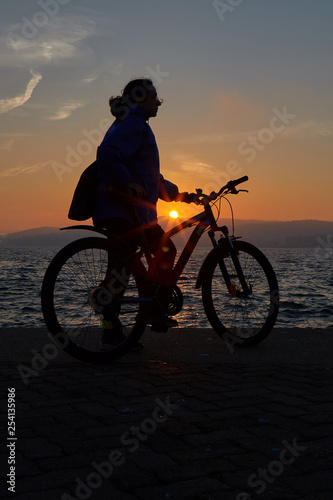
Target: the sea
pixel 305 277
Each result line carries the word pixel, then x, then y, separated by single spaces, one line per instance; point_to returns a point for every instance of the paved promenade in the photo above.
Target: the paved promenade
pixel 185 419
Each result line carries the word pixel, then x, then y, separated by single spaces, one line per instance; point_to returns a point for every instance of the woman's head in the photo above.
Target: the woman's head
pixel 140 92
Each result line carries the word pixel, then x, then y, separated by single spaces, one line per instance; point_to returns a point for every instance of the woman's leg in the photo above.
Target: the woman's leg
pixel 164 251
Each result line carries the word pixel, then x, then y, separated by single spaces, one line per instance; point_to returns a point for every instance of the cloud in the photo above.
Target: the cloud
pixel 296 130
pixel 308 129
pixel 90 79
pixel 7 144
pixel 30 169
pixel 214 138
pixel 188 164
pixel 13 102
pixel 7 140
pixel 66 110
pixel 60 40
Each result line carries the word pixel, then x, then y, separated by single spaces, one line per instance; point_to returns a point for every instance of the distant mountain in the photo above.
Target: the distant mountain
pixel 287 234
pixel 269 234
pixel 42 237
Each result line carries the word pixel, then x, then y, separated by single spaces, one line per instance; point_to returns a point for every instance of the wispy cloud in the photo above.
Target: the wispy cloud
pixel 13 102
pixel 189 164
pixel 299 130
pixel 7 144
pixel 66 110
pixel 61 40
pixel 308 129
pixel 24 170
pixel 90 79
pixel 7 140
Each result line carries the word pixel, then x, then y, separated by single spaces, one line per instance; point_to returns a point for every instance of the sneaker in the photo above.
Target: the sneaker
pixel 162 323
pixel 111 338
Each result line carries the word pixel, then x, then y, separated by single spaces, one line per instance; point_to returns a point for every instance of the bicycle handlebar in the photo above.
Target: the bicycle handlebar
pixel 238 181
pixel 228 188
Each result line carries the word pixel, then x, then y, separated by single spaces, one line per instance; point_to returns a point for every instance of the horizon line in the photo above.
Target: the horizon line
pixel 3 234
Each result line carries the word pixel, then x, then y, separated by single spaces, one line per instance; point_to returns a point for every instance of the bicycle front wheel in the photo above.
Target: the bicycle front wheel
pixel 242 319
pixel 83 281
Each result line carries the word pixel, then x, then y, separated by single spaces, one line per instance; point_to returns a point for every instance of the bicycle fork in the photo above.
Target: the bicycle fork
pixel 234 292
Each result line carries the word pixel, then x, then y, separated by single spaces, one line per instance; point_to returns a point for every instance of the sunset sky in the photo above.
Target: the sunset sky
pixel 247 88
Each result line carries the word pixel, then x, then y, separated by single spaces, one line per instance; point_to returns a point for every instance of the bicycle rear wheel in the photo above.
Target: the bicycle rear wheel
pixel 86 278
pixel 241 319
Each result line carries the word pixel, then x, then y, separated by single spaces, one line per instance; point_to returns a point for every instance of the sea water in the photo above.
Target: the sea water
pixel 305 278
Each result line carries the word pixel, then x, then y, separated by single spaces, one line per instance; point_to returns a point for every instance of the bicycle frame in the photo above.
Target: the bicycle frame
pixel 202 221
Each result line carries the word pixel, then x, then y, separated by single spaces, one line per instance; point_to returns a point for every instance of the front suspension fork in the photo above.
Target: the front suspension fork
pixel 246 290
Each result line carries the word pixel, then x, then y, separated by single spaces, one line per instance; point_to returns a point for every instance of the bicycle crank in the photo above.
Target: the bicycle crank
pixel 170 298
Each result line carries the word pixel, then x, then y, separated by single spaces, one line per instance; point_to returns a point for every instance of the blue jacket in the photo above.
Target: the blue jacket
pixel 129 154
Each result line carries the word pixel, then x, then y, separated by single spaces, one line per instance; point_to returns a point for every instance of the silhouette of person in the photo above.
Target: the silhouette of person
pixel 129 175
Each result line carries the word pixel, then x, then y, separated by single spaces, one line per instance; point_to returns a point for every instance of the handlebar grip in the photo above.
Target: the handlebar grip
pixel 240 180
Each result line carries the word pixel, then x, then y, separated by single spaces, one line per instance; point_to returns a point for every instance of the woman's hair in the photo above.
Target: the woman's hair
pixel 134 92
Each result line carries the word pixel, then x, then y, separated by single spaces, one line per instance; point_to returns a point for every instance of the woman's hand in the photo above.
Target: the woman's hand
pixel 185 197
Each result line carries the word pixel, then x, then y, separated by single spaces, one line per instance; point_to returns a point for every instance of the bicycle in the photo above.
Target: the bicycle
pixel 92 279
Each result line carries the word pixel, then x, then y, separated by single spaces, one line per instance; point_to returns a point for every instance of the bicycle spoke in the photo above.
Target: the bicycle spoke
pixel 86 289
pixel 248 312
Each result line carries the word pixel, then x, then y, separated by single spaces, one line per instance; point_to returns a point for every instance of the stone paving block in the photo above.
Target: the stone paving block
pixel 73 461
pixel 84 445
pixel 32 424
pixel 192 469
pixel 55 494
pixel 63 432
pixel 180 428
pixel 109 492
pixel 103 431
pixel 38 448
pixel 27 468
pixel 286 409
pixel 316 482
pixel 288 400
pixel 128 476
pixel 92 409
pixel 235 479
pixel 197 405
pixel 50 480
pixel 268 431
pixel 162 443
pixel 189 454
pixel 247 459
pixel 147 459
pixel 182 490
pixel 222 495
pixel 217 438
pixel 316 418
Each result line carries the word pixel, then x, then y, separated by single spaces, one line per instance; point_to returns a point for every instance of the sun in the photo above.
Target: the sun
pixel 173 214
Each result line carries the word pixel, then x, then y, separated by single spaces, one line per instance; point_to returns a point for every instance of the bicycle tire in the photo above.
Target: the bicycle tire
pixel 68 297
pixel 240 321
